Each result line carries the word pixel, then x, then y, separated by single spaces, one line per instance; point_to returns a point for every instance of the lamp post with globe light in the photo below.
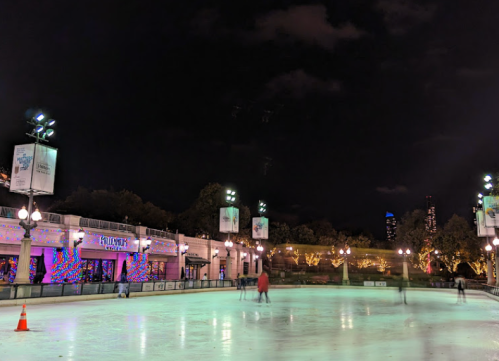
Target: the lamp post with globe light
pixel 495 242
pixel 490 274
pixel 405 270
pixel 345 254
pixel 22 274
pixel 258 257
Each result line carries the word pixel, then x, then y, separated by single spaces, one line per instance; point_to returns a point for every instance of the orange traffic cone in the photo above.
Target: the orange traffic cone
pixel 23 323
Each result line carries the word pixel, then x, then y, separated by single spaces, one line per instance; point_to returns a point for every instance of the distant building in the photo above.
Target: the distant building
pixel 391 227
pixel 431 221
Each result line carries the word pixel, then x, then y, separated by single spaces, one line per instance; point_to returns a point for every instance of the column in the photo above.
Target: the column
pixel 238 262
pixel 346 280
pixel 405 271
pixel 260 266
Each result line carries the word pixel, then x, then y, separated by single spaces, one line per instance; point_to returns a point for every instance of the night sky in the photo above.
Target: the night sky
pixel 340 110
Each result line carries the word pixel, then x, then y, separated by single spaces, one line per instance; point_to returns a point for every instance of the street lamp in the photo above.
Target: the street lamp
pixel 228 244
pixel 345 254
pixel 244 256
pixel 35 217
pixel 216 253
pixel 80 234
pixel 495 242
pixel 405 270
pixel 186 248
pixel 148 245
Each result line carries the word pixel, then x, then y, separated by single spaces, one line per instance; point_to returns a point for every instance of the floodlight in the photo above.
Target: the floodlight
pixel 51 122
pixel 228 198
pixel 487 178
pixel 49 132
pixel 480 195
pixel 488 185
pixel 228 191
pixel 480 201
pixel 233 199
pixel 23 213
pixel 233 192
pixel 39 128
pixel 40 117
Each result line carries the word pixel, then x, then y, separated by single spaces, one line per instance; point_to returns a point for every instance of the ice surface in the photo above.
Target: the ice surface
pixel 300 324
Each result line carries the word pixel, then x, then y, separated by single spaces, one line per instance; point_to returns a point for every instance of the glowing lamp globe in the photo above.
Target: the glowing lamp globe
pixel 495 242
pixel 400 251
pixel 488 248
pixel 36 216
pixel 80 234
pixel 23 213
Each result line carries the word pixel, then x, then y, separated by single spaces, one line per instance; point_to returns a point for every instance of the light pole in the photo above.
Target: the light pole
pixel 405 270
pixel 495 242
pixel 42 128
pixel 228 264
pixel 490 274
pixel 346 280
pixel 259 248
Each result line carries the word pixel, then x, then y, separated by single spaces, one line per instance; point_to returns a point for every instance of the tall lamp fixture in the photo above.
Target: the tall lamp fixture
pixel 35 217
pixel 80 234
pixel 228 245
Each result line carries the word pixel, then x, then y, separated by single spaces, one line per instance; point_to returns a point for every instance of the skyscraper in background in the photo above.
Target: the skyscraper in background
pixel 431 221
pixel 391 227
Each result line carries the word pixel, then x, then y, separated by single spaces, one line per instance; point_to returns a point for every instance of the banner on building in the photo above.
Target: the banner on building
pixel 33 169
pixel 481 230
pixel 491 211
pixel 260 228
pixel 229 220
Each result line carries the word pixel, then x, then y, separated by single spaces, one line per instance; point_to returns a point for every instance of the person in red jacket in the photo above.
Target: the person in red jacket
pixel 263 286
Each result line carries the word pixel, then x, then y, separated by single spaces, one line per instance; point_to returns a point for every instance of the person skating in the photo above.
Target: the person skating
pixel 263 286
pixel 402 291
pixel 461 297
pixel 243 287
pixel 122 285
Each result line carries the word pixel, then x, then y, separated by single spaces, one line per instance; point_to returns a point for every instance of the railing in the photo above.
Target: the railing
pixel 77 289
pixel 491 289
pixel 95 223
pixel 161 234
pixel 9 212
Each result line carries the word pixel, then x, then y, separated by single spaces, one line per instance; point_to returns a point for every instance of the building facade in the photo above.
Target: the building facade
pixel 391 227
pixel 431 221
pixel 109 249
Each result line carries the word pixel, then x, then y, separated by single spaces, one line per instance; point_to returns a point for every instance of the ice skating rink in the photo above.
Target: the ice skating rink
pixel 300 324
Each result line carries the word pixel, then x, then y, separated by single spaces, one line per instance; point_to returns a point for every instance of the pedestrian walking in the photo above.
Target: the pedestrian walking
pixel 205 277
pixel 461 297
pixel 263 287
pixel 122 285
pixel 243 287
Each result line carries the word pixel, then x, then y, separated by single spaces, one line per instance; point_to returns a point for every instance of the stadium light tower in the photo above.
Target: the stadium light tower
pixel 230 196
pixel 42 127
pixel 262 208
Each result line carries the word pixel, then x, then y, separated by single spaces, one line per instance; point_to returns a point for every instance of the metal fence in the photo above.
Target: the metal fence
pixel 9 212
pixel 161 234
pixel 113 226
pixel 78 289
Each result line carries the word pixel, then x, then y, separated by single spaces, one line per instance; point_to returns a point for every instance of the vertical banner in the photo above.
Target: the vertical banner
pixel 491 211
pixel 229 220
pixel 22 167
pixel 44 169
pixel 260 228
pixel 33 168
pixel 481 230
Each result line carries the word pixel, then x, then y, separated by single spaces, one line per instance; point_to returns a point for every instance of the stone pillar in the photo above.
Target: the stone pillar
pixel 22 274
pixel 260 266
pixel 228 268
pixel 405 271
pixel 490 274
pixel 346 280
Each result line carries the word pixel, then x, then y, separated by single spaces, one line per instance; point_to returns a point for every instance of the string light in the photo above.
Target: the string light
pixel 137 266
pixel 67 265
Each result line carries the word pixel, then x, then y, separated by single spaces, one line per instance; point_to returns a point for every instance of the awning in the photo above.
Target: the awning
pixel 196 260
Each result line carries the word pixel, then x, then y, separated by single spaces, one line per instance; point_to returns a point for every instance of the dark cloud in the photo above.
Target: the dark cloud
pixel 475 73
pixel 306 23
pixel 402 15
pixel 395 190
pixel 297 84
